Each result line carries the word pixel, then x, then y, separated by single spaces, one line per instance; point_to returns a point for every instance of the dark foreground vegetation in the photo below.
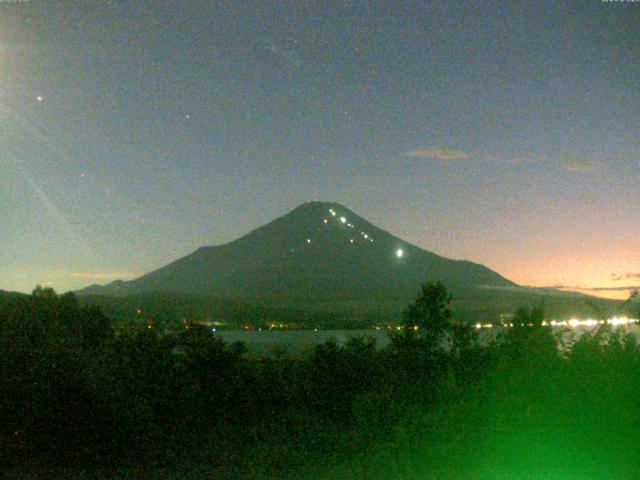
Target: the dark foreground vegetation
pixel 80 401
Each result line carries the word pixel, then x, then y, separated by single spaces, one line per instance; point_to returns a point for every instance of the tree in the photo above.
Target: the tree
pixel 96 327
pixel 627 307
pixel 529 336
pixel 430 312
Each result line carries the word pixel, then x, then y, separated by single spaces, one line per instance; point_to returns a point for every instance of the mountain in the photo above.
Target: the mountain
pixel 323 259
pixel 318 251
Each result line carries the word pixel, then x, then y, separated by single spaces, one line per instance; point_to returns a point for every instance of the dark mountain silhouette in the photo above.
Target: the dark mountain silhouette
pixel 317 252
pixel 312 262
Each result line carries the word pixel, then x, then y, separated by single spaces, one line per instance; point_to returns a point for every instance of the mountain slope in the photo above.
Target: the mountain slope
pixel 318 252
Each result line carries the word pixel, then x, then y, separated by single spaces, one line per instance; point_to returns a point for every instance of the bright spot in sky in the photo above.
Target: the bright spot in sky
pixel 343 220
pixel 308 240
pixel 326 221
pixel 39 98
pixel 399 253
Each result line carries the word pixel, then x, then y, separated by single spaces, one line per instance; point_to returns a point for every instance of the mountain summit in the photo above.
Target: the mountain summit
pixel 319 251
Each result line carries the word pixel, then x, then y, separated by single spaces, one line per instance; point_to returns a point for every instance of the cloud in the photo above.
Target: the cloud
pixel 569 164
pixel 444 155
pixel 515 161
pixel 583 166
pixel 614 289
pixel 631 290
pixel 625 276
pixel 596 289
pixel 101 275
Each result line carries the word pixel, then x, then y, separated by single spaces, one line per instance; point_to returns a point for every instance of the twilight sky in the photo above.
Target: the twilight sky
pixel 506 133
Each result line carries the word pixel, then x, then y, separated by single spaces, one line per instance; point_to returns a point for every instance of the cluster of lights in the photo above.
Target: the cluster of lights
pixel 344 221
pixel 615 321
pixel 573 323
pixel 399 253
pixel 415 328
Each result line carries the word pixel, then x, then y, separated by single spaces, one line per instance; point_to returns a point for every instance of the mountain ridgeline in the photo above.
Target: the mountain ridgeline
pixel 317 252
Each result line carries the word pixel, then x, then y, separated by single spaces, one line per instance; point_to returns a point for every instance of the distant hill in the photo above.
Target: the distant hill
pixel 322 257
pixel 6 296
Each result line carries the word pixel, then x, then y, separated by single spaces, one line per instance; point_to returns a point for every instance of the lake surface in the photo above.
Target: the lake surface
pixel 299 342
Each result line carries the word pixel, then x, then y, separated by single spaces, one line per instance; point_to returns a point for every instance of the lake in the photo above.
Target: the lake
pixel 299 342
pixel 296 342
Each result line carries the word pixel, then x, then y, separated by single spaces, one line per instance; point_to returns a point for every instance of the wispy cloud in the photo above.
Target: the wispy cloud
pixel 625 276
pixel 568 163
pixel 516 161
pixel 442 154
pixel 596 289
pixel 614 289
pixel 629 290
pixel 583 166
pixel 101 275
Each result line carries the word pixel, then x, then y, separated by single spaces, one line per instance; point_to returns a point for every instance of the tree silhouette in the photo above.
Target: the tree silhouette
pixel 529 336
pixel 430 312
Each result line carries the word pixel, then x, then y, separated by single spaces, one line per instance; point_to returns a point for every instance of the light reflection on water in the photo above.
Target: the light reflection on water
pixel 299 342
pixel 574 323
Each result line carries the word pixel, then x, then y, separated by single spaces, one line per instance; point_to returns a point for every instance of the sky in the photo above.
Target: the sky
pixel 507 133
